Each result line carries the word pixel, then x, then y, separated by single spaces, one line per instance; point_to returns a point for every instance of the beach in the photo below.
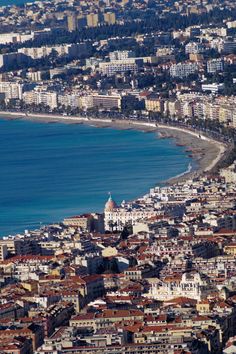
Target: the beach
pixel 205 152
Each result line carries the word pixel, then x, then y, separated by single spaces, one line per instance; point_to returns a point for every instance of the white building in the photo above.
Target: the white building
pixel 115 217
pixel 120 66
pixel 11 90
pixel 215 65
pixel 69 100
pixel 7 38
pixel 183 70
pixel 194 48
pixel 191 285
pixel 106 102
pixel 37 97
pixel 213 88
pixel 121 55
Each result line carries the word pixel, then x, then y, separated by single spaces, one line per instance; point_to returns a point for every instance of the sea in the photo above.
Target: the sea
pixel 14 2
pixel 52 170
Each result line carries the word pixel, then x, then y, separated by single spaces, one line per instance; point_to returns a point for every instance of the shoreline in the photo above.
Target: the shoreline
pixel 205 152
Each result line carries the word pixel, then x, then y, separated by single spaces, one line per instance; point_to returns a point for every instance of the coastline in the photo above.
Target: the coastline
pixel 205 152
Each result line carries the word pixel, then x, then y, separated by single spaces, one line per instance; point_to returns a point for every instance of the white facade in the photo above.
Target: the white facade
pixel 191 286
pixel 69 100
pixel 115 218
pixel 121 55
pixel 41 97
pixel 12 37
pixel 118 66
pixel 11 90
pixel 214 88
pixel 71 50
pixel 183 70
pixel 194 48
pixel 215 65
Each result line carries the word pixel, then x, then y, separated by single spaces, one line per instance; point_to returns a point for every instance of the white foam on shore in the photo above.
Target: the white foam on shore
pixel 189 169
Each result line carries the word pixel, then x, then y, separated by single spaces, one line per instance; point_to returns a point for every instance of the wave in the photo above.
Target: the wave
pixel 189 169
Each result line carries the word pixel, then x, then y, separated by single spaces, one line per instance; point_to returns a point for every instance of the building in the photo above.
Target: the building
pixel 121 55
pixel 17 345
pixel 154 104
pixel 190 285
pixel 12 247
pixel 110 18
pixel 183 70
pixel 46 98
pixel 194 48
pixel 69 100
pixel 213 88
pixel 215 65
pixel 3 252
pixel 10 60
pixel 115 217
pixel 72 23
pixel 229 173
pixel 107 102
pixel 11 90
pixel 37 76
pixel 86 222
pixel 228 47
pixel 7 38
pixel 33 331
pixel 92 20
pixel 120 66
pixel 72 51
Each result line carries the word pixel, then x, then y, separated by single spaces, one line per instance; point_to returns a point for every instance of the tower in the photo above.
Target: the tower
pixel 110 18
pixel 92 20
pixel 72 22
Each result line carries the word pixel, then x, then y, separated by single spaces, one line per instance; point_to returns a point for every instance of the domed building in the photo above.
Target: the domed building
pixel 110 204
pixel 110 208
pixel 116 217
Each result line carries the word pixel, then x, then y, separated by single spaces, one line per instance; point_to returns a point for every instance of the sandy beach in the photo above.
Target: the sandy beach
pixel 205 152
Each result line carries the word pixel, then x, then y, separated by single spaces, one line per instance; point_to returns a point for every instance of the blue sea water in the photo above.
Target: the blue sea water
pixel 14 2
pixel 49 171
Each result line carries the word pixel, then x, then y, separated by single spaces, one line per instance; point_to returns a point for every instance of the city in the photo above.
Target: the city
pixel 156 274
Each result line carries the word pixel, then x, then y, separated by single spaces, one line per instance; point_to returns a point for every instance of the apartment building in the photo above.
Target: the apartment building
pixel 77 50
pixel 183 70
pixel 37 97
pixel 121 55
pixel 11 89
pixel 120 66
pixel 215 65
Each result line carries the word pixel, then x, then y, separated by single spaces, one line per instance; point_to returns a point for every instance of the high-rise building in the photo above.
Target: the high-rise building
pixel 11 89
pixel 11 59
pixel 92 20
pixel 72 23
pixel 110 18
